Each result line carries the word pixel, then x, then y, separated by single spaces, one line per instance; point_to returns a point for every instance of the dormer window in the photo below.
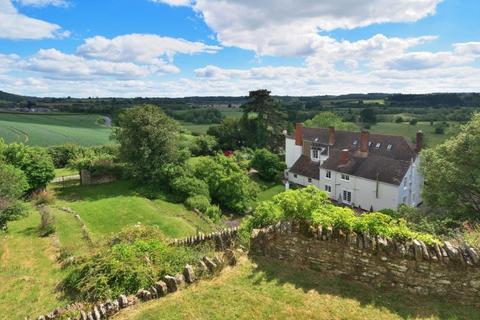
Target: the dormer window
pixel 378 145
pixel 389 147
pixel 315 153
pixel 328 174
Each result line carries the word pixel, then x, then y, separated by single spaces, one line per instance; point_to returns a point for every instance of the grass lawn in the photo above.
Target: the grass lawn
pixel 267 289
pixel 410 131
pixel 108 208
pixel 29 273
pixel 196 128
pixel 268 193
pixel 63 172
pixel 53 129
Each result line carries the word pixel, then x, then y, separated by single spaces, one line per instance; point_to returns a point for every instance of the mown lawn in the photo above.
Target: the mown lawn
pixel 53 129
pixel 29 273
pixel 108 208
pixel 267 289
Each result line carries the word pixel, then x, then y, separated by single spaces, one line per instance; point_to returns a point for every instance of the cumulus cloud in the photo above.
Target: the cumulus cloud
pixel 290 28
pixel 141 48
pixel 7 62
pixel 55 64
pixel 14 25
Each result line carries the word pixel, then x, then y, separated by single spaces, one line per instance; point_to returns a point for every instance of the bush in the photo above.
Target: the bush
pixel 214 213
pixel 228 184
pixel 35 162
pixel 124 268
pixel 204 145
pixel 312 205
pixel 13 184
pixel 47 222
pixel 439 130
pixel 399 120
pixel 136 232
pixel 199 202
pixel 63 154
pixel 184 187
pixel 268 165
pixel 413 122
pixel 43 197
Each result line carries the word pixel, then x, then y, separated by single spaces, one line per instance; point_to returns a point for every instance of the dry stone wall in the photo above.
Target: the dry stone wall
pixel 226 238
pixel 446 269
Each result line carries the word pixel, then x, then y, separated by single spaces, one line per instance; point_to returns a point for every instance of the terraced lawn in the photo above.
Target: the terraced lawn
pixel 267 289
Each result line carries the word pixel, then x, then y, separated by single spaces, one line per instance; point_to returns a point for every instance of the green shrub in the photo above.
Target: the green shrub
pixel 47 222
pixel 63 154
pixel 184 187
pixel 413 122
pixel 199 202
pixel 214 213
pixel 136 232
pixel 43 197
pixel 268 164
pixel 124 268
pixel 312 205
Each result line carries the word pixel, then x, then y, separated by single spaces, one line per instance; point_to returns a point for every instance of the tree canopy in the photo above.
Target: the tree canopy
pixel 452 173
pixel 149 139
pixel 329 119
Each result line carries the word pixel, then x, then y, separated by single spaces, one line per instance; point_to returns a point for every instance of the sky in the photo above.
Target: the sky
pixel 176 48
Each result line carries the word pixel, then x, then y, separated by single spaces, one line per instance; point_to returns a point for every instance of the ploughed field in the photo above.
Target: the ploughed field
pixel 53 129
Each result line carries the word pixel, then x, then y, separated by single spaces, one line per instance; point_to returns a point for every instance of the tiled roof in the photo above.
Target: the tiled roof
pixel 307 168
pixel 388 159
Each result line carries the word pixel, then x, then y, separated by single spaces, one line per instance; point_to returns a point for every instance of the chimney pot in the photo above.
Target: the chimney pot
pixel 364 135
pixel 299 134
pixel 331 136
pixel 344 157
pixel 419 141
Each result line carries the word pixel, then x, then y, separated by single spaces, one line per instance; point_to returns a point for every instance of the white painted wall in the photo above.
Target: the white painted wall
pixel 302 180
pixel 292 152
pixel 410 191
pixel 363 191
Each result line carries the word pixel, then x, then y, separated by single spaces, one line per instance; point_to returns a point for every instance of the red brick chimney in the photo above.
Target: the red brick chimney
pixel 364 141
pixel 331 136
pixel 419 141
pixel 299 134
pixel 344 157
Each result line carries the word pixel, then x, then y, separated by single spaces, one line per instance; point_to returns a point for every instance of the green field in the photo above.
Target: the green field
pixel 409 131
pixel 271 289
pixel 53 129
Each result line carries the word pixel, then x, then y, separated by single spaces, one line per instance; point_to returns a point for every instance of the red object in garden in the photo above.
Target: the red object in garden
pixel 228 153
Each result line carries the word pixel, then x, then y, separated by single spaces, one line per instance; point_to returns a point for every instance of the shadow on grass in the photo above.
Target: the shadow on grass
pixel 405 305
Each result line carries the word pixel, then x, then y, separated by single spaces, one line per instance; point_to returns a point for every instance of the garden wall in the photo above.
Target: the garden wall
pixel 445 269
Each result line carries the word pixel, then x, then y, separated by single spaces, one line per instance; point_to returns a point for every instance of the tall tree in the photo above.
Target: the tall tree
pixel 263 119
pixel 452 173
pixel 149 139
pixel 368 115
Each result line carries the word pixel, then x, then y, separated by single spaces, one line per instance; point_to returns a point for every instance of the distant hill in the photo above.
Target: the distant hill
pixel 110 105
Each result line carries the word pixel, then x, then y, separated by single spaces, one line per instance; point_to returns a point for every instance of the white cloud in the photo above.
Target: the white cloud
pixel 14 25
pixel 55 64
pixel 290 28
pixel 174 2
pixel 141 48
pixel 468 48
pixel 7 62
pixel 43 3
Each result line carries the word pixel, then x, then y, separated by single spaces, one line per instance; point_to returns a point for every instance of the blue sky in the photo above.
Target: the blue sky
pixel 228 47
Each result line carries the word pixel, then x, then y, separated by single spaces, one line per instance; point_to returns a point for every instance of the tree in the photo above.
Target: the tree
pixel 367 115
pixel 329 119
pixel 35 162
pixel 13 185
pixel 229 134
pixel 149 139
pixel 263 119
pixel 452 173
pixel 268 164
pixel 228 184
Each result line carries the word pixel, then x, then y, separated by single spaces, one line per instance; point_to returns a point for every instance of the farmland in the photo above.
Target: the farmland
pixel 53 129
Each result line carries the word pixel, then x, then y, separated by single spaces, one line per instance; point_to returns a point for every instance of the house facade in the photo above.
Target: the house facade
pixel 367 171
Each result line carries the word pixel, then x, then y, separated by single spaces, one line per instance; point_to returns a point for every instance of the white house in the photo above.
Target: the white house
pixel 368 171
